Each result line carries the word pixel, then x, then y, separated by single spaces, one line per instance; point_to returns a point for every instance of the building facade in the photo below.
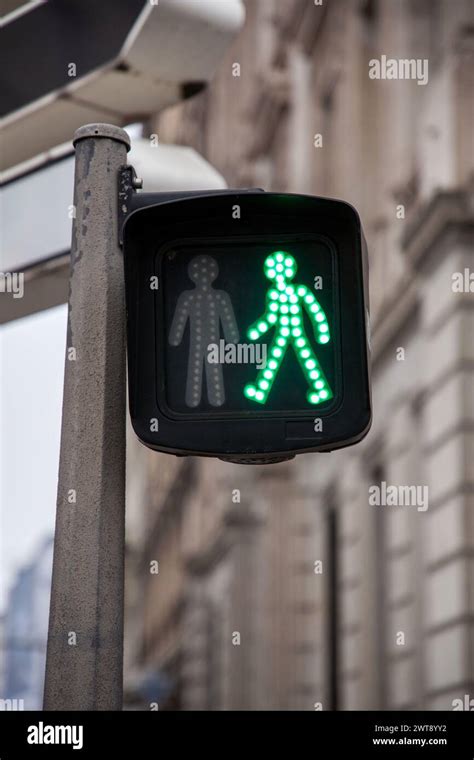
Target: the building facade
pixel 286 586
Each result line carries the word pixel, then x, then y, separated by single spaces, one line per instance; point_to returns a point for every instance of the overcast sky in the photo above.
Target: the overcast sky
pixel 31 385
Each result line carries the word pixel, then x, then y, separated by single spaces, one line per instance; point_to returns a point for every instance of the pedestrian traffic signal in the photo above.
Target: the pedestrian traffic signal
pixel 284 312
pixel 247 329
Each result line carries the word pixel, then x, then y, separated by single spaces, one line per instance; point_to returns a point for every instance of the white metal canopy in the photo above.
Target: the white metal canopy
pixel 40 248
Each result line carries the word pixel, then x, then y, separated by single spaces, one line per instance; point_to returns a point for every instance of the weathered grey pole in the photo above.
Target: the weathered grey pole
pixel 85 641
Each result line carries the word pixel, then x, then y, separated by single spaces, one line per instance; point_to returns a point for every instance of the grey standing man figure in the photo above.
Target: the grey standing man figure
pixel 207 309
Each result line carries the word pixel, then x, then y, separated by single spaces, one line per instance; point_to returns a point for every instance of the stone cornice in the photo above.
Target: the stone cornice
pixel 445 210
pixel 392 318
pixel 449 212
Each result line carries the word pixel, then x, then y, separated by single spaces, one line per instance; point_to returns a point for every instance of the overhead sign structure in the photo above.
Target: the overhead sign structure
pixel 247 323
pixel 102 58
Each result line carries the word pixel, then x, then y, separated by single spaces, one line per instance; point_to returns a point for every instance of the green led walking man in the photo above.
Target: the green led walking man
pixel 285 304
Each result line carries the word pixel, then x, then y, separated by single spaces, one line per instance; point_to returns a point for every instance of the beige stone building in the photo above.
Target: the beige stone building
pixel 282 586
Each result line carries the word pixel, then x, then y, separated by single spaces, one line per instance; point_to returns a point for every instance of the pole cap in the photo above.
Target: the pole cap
pixel 109 131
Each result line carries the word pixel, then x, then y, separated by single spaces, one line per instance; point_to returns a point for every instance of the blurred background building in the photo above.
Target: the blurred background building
pixel 280 586
pixel 24 632
pixel 2 654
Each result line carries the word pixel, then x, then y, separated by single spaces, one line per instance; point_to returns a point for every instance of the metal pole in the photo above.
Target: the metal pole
pixel 85 642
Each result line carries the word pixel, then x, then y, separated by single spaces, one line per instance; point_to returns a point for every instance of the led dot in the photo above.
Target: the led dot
pixel 285 331
pixel 324 338
pixel 272 364
pixel 284 309
pixel 279 256
pixel 264 384
pixel 277 352
pixel 270 262
pixel 271 273
pixel 289 262
pixel 314 307
pixel 273 307
pixel 272 318
pixel 300 342
pixel 280 278
pixel 309 298
pixel 268 374
pixel 294 309
pixel 273 295
pixel 295 321
pixel 320 317
pixel 289 272
pixel 282 341
pixel 296 332
pixel 253 334
pixel 259 395
pixel 314 374
pixel 262 326
pixel 285 320
pixel 279 267
pixel 311 364
pixel 283 298
pixel 280 285
pixel 293 299
pixel 319 384
pixel 314 398
pixel 324 328
pixel 301 290
pixel 323 394
pixel 305 353
pixel 290 289
pixel 249 391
